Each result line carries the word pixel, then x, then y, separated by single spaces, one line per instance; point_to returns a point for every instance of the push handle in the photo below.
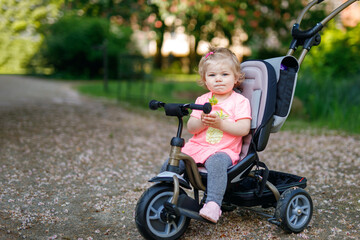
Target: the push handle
pixel 300 34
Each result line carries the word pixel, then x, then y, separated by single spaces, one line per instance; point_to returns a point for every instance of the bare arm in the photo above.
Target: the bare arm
pixel 238 128
pixel 195 125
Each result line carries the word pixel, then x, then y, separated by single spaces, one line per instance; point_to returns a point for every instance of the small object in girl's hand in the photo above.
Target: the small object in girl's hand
pixel 283 67
pixel 213 101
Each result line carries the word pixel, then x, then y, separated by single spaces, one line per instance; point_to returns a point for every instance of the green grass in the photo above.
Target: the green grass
pixel 139 92
pixel 321 112
pixel 332 103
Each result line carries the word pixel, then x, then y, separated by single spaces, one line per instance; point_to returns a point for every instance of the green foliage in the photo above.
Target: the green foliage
pixel 330 78
pixel 15 52
pixel 74 47
pixel 19 24
pixel 261 20
pixel 337 56
pixel 106 8
pixel 331 103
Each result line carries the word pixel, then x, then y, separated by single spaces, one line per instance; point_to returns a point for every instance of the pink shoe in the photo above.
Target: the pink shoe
pixel 211 211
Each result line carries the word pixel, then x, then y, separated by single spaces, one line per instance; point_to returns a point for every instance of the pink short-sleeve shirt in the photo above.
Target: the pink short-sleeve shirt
pixel 209 141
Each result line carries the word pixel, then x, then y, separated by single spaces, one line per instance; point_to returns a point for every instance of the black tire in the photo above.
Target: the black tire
pixel 227 207
pixel 294 210
pixel 149 220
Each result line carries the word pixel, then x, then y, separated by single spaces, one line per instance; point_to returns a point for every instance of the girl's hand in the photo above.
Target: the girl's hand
pixel 211 120
pixel 239 128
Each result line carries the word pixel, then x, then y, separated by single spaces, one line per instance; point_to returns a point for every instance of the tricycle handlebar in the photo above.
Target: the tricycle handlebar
pixel 206 108
pixel 154 105
pixel 179 109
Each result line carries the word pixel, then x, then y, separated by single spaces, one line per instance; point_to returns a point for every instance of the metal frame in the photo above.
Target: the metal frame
pixel 311 35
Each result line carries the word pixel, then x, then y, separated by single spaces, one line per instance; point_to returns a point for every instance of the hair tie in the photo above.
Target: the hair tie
pixel 210 53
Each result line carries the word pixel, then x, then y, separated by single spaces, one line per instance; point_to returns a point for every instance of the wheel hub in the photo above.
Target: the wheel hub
pixel 167 214
pixel 163 216
pixel 297 211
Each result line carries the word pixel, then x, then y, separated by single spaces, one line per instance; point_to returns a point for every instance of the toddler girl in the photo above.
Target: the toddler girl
pixel 217 138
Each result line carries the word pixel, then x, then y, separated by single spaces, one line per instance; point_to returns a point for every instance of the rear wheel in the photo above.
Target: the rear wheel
pixel 294 210
pixel 153 220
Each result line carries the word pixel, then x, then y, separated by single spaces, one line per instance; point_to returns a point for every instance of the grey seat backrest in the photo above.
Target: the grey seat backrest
pixel 261 87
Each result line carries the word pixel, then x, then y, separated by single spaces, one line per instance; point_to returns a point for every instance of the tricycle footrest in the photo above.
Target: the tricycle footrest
pixel 187 207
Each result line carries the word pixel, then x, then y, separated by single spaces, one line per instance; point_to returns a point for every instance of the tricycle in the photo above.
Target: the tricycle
pixel 165 209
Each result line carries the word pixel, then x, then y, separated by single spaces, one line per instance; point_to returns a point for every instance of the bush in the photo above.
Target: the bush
pixel 73 47
pixel 329 80
pixel 337 56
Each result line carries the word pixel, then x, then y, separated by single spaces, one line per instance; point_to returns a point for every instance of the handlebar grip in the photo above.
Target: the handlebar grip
pixel 206 108
pixel 154 105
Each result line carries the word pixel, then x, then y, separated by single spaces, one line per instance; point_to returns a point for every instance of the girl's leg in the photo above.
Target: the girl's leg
pixel 217 166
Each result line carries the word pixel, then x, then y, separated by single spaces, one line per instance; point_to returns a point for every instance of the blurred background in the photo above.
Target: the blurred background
pixel 136 50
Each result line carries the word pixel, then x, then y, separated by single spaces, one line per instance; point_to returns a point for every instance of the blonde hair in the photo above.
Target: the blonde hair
pixel 220 54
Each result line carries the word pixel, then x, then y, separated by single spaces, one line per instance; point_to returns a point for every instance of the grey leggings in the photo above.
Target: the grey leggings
pixel 216 166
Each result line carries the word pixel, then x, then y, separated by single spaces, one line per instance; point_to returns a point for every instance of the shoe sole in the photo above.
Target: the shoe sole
pixel 208 218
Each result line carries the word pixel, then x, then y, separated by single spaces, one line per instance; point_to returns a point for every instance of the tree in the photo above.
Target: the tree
pixel 19 24
pixel 266 23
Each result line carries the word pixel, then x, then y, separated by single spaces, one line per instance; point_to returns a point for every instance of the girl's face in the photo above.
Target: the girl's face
pixel 220 78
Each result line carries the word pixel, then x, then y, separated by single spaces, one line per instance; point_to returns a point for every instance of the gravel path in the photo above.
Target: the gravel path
pixel 73 168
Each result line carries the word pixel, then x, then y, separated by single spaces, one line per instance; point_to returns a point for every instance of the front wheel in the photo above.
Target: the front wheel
pixel 294 210
pixel 152 220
